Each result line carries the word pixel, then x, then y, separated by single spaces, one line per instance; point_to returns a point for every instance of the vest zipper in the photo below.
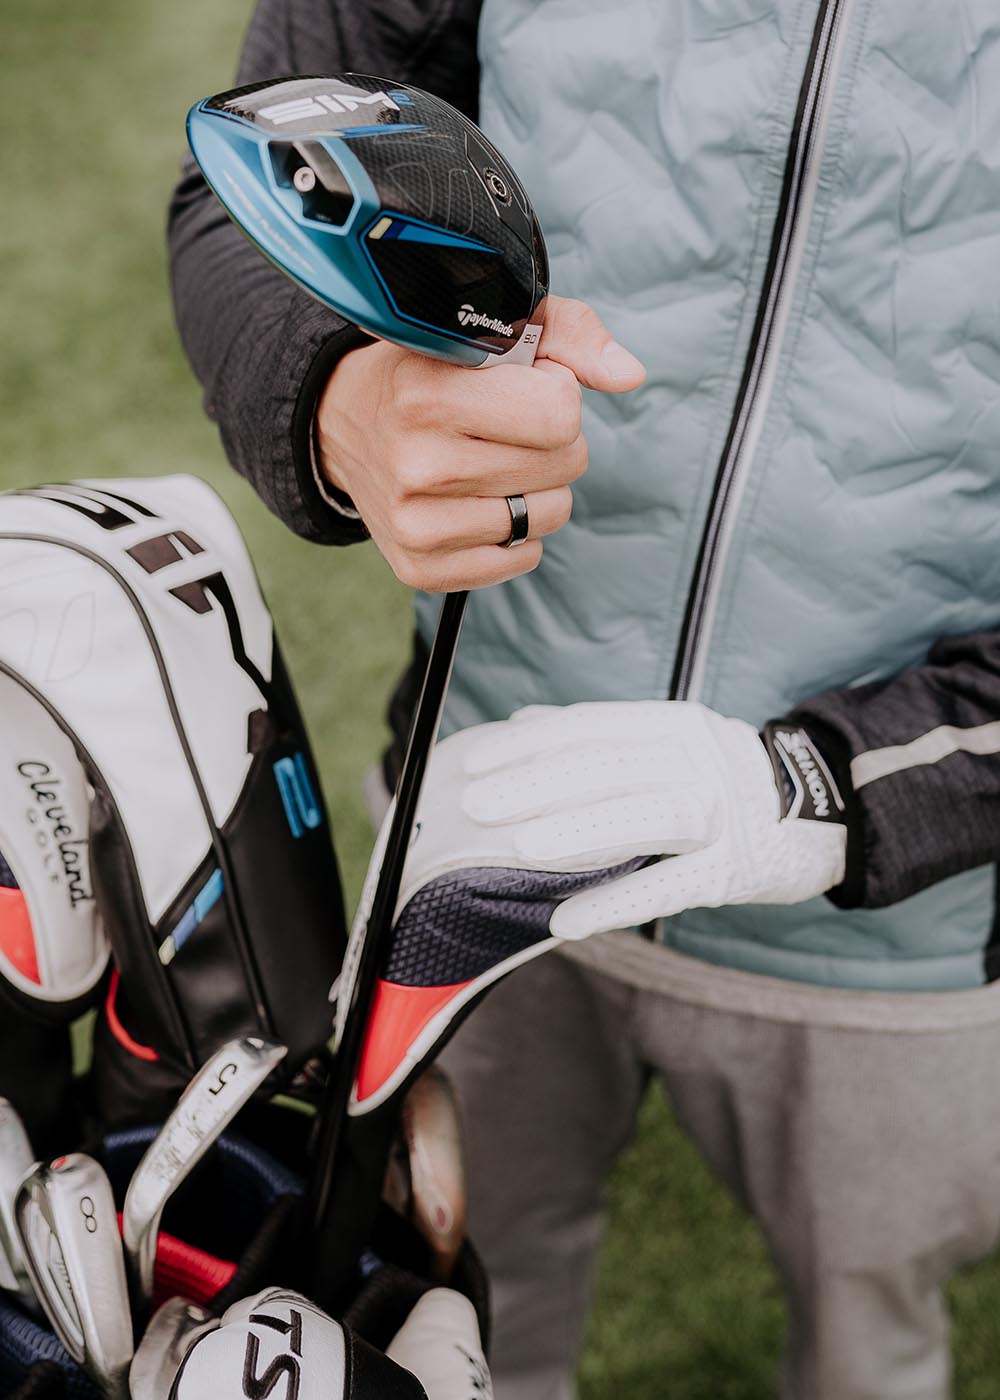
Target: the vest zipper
pixel 802 170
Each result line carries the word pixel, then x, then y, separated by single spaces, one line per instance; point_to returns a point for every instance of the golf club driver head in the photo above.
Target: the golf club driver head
pixel 208 1105
pixel 16 1160
pixel 68 1227
pixel 387 204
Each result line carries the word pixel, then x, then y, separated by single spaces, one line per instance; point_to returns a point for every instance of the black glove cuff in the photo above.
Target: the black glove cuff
pixel 812 769
pixel 807 787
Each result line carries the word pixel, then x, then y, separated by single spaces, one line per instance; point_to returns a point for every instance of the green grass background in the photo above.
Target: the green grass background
pixel 93 383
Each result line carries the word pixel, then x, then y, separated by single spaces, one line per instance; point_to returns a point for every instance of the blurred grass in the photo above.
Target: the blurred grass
pixel 92 383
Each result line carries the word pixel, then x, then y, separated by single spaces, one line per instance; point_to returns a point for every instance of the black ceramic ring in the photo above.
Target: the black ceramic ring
pixel 518 522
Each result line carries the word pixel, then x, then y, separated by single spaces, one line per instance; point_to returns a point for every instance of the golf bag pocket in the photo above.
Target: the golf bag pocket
pixel 172 775
pixel 53 949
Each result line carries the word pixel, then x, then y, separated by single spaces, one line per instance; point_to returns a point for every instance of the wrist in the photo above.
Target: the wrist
pixel 813 776
pixel 326 483
pixel 347 413
pixel 328 522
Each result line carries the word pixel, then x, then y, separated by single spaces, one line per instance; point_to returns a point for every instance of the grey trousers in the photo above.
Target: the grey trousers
pixel 861 1130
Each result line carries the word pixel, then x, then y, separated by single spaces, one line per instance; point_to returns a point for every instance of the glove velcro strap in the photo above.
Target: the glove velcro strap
pixel 805 784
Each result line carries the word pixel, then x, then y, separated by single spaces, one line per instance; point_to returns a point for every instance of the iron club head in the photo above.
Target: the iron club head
pixel 68 1228
pixel 385 203
pixel 208 1105
pixel 16 1159
pixel 171 1333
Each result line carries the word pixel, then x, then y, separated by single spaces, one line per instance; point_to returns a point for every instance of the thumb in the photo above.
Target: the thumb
pixel 575 336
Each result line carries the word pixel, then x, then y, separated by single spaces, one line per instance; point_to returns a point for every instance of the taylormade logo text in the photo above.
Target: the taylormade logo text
pixel 469 316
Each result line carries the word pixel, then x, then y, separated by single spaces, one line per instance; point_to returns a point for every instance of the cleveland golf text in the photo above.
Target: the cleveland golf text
pixel 69 849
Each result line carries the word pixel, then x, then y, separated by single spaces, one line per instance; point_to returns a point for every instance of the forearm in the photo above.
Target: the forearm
pixel 262 350
pixel 917 758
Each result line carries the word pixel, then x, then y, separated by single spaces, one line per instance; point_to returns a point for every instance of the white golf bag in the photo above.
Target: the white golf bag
pixel 158 795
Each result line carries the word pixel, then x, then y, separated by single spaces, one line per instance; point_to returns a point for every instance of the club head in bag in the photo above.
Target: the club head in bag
pixel 68 1228
pixel 16 1160
pixel 386 204
pixel 172 1331
pixel 426 1178
pixel 208 1105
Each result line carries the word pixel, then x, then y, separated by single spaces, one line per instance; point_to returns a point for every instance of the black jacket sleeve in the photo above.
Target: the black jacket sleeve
pixel 262 348
pixel 917 759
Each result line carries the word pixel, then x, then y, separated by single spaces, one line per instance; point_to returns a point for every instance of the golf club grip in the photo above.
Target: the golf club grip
pixel 335 1256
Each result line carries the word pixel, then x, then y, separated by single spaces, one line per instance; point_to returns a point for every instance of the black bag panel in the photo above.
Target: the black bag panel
pixel 207 967
pixel 36 1074
pixel 158 1019
pixel 282 857
pixel 54 1013
pixel 124 1088
pixel 272 916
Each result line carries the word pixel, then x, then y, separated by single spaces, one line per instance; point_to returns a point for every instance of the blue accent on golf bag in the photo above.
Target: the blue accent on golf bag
pixel 297 796
pixel 208 896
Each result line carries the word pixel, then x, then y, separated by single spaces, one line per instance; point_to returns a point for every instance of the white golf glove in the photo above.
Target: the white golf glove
pixel 594 785
pixel 439 1343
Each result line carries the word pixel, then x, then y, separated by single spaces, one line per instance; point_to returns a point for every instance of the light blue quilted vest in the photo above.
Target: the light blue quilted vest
pixel 859 519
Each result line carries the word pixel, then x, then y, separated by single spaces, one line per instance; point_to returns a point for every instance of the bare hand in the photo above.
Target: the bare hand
pixel 428 451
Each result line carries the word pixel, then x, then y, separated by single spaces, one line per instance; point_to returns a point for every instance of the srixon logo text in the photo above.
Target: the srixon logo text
pixel 63 853
pixel 799 749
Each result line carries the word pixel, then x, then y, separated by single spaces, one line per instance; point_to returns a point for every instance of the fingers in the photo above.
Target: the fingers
pixel 450 571
pixel 605 834
pixel 535 406
pixel 590 773
pixel 427 451
pixel 558 728
pixel 575 336
pixel 465 522
pixel 438 467
pixel 655 892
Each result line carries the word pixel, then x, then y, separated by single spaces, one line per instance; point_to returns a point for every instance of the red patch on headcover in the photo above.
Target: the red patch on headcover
pixel 398 1016
pixel 17 939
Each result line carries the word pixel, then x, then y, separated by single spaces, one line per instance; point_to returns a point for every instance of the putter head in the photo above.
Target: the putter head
pixel 68 1228
pixel 385 203
pixel 16 1159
